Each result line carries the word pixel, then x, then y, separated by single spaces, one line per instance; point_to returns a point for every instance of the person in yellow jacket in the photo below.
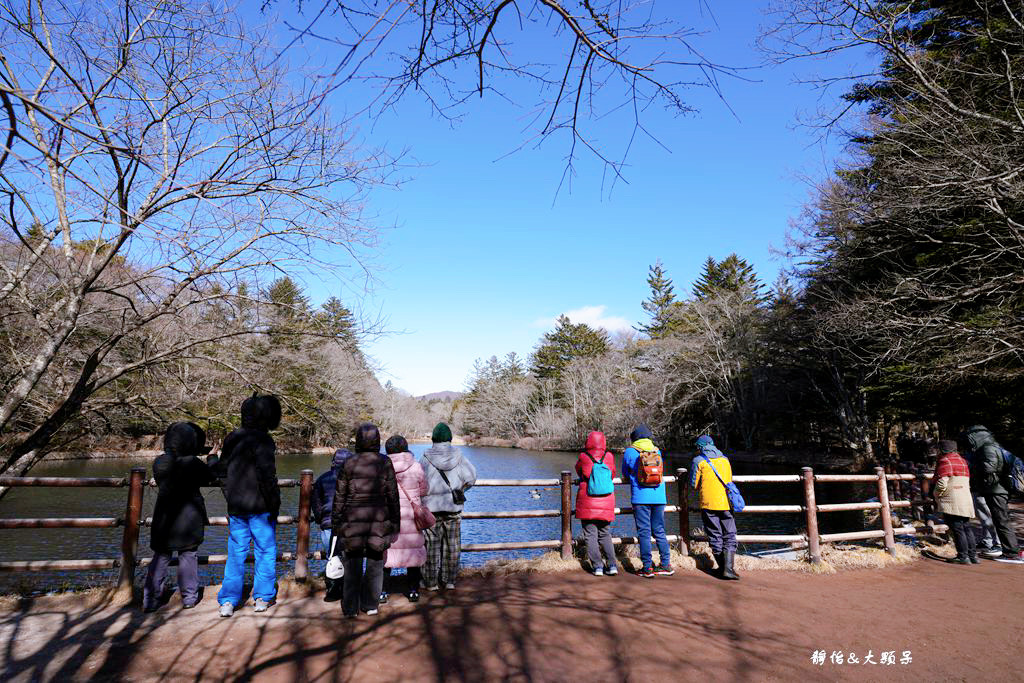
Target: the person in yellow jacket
pixel 711 471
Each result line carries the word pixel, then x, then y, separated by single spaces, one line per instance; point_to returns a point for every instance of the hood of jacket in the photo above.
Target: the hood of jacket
pixel 710 451
pixel 340 456
pixel 443 456
pixel 402 461
pixel 644 445
pixel 596 444
pixel 181 440
pixel 261 412
pixel 978 436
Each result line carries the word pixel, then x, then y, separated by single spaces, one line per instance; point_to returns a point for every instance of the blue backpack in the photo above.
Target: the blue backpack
pixel 1014 472
pixel 732 491
pixel 600 481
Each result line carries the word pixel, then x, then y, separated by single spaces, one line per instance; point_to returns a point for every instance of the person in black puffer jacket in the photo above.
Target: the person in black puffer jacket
pixel 249 478
pixel 179 516
pixel 322 506
pixel 366 518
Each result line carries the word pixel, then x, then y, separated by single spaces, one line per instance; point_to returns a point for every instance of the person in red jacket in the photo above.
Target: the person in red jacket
pixel 596 512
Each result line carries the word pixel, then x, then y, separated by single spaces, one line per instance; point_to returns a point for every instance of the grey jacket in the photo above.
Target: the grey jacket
pixel 459 470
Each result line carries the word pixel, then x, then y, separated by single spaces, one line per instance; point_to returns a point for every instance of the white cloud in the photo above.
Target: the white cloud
pixel 591 315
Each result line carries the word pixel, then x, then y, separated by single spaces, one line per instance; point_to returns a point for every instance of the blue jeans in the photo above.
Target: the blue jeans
pixel 325 536
pixel 650 520
pixel 260 531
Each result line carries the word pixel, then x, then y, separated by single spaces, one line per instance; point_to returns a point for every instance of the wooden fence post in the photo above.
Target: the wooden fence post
pixel 566 486
pixel 811 508
pixel 683 490
pixel 302 522
pixel 130 538
pixel 885 511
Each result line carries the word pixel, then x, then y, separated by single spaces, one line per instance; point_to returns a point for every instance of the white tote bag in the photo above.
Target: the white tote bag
pixel 335 567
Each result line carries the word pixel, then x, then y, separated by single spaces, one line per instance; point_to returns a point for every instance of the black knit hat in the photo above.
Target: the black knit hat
pixel 947 446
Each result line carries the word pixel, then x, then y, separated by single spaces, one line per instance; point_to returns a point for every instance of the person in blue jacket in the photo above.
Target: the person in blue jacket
pixel 648 505
pixel 322 506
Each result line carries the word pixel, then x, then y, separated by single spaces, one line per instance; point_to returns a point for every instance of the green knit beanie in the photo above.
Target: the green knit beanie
pixel 441 433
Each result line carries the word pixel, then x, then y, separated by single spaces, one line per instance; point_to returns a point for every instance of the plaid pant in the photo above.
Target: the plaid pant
pixel 444 545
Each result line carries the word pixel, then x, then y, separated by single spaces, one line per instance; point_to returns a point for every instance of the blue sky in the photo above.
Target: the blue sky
pixel 482 254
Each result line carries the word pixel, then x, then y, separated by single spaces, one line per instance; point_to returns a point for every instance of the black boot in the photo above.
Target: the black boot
pixel 727 571
pixel 719 563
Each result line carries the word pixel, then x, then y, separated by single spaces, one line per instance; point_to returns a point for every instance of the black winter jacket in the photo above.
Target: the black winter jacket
pixel 322 505
pixel 179 516
pixel 367 512
pixel 247 466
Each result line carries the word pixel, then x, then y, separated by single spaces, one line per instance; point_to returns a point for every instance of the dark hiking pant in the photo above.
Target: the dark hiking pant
pixel 720 526
pixel 999 506
pixel 413 576
pixel 599 540
pixel 444 548
pixel 963 535
pixel 361 588
pixel 156 575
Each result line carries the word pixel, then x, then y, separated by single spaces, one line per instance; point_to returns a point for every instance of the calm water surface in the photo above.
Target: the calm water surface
pixel 491 463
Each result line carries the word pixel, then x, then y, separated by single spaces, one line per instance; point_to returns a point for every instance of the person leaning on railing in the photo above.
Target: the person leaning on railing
pixel 248 470
pixel 596 509
pixel 952 491
pixel 179 516
pixel 711 472
pixel 449 476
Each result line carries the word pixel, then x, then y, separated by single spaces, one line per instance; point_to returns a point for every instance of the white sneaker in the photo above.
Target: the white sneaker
pixel 449 586
pixel 598 571
pixel 611 571
pixel 260 605
pixel 227 609
pixel 371 612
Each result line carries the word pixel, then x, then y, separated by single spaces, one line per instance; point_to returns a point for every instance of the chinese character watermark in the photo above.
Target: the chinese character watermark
pixel 837 657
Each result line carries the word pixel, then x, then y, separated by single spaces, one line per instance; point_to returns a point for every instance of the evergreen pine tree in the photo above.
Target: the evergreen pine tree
pixel 661 305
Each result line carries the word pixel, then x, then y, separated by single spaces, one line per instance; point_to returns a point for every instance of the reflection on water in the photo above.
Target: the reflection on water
pixel 491 463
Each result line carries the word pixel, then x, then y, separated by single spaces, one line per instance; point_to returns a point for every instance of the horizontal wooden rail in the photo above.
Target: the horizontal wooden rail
pixel 511 514
pixel 219 559
pixel 57 482
pixel 551 483
pixel 875 505
pixel 766 478
pixel 762 509
pixel 511 545
pixel 760 538
pixel 862 477
pixel 61 523
pixel 285 483
pixel 223 521
pixel 59 565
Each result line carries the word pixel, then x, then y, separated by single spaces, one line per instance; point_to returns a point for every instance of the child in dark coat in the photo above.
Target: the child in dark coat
pixel 179 517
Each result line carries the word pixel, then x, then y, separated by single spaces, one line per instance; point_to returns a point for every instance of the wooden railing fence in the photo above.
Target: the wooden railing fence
pixel 136 483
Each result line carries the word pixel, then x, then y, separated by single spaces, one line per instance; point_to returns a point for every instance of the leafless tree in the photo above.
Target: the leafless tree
pixel 614 55
pixel 154 162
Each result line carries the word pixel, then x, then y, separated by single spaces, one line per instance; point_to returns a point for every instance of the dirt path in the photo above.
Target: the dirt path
pixel 958 623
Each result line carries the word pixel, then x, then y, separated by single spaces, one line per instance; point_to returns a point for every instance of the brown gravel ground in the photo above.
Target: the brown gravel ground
pixel 959 623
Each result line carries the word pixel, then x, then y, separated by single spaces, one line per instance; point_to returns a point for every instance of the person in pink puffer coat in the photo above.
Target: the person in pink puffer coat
pixel 596 513
pixel 408 549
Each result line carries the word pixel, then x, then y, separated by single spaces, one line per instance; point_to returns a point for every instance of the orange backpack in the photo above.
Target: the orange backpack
pixel 649 468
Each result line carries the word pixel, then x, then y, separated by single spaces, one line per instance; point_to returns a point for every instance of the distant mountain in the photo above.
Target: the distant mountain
pixel 442 396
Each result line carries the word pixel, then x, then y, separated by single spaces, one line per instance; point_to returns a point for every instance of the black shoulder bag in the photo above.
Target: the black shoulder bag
pixel 458 495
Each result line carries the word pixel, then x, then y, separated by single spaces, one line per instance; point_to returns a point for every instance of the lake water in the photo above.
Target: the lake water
pixel 491 463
